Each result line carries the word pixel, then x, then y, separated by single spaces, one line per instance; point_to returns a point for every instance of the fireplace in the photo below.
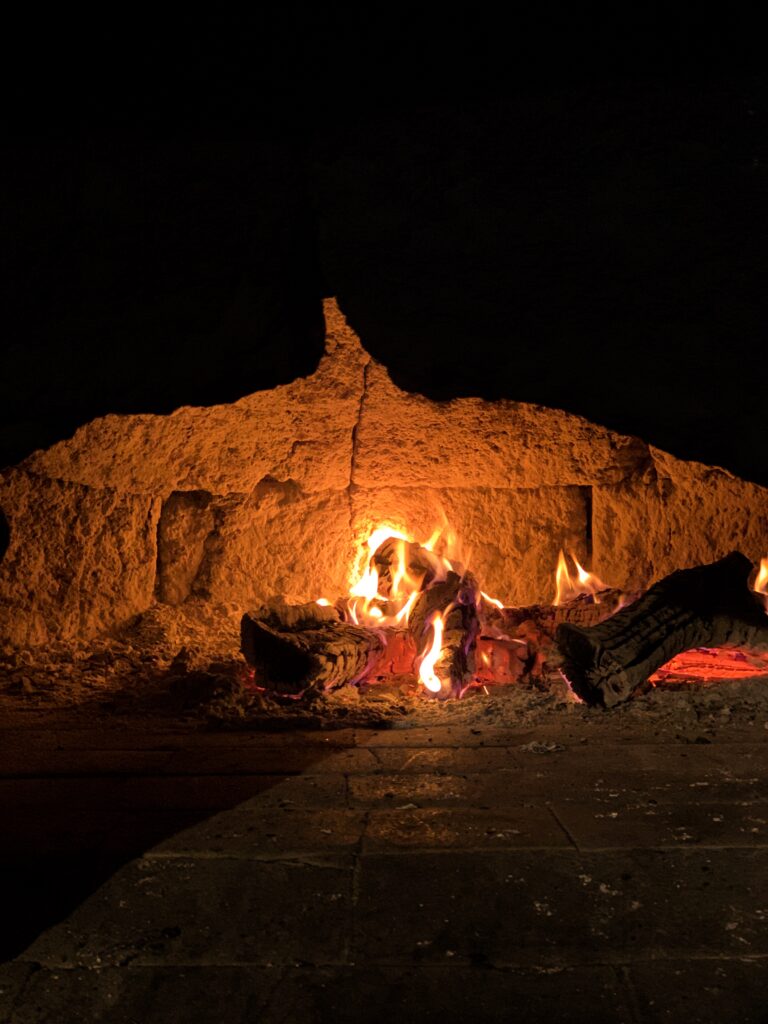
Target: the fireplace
pixel 271 501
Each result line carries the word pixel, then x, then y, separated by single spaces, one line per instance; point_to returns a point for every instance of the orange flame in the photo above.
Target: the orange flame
pixel 568 587
pixel 373 602
pixel 761 583
pixel 427 667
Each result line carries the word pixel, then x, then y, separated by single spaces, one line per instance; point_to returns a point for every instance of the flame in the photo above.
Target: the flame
pixel 389 602
pixel 491 600
pixel 405 611
pixel 567 588
pixel 323 602
pixel 427 667
pixel 382 533
pixel 761 583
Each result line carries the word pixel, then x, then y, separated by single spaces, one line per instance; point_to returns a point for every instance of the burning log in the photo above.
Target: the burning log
pixel 449 608
pixel 295 648
pixel 585 610
pixel 407 558
pixel 708 606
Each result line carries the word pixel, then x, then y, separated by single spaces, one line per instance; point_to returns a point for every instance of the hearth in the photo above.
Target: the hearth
pixel 442 522
pixel 415 612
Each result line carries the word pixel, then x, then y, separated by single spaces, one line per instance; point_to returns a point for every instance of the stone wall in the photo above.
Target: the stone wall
pixel 275 493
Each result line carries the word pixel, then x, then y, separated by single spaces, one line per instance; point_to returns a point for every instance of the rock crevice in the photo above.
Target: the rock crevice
pixel 355 444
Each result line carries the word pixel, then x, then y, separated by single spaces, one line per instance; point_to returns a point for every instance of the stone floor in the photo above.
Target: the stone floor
pixel 574 872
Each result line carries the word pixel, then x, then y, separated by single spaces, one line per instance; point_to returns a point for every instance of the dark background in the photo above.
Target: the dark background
pixel 563 211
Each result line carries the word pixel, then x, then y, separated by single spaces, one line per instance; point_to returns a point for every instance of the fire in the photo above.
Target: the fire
pixel 394 572
pixel 427 667
pixel 761 583
pixel 568 587
pixel 374 601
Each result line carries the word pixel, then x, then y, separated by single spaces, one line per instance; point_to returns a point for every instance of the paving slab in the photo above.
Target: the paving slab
pixel 447 760
pixel 520 907
pixel 203 760
pixel 13 979
pixel 449 995
pixel 217 791
pixel 424 789
pixel 252 831
pixel 208 911
pixel 615 824
pixel 129 995
pixel 708 991
pixel 581 870
pixel 439 828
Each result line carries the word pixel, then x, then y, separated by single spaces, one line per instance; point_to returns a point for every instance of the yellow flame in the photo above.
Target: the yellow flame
pixel 491 600
pixel 323 602
pixel 389 602
pixel 405 611
pixel 761 583
pixel 567 587
pixel 430 544
pixel 382 533
pixel 367 586
pixel 427 666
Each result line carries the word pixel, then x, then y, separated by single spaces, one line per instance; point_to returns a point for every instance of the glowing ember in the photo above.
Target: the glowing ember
pixel 712 664
pixel 761 583
pixel 568 587
pixel 427 667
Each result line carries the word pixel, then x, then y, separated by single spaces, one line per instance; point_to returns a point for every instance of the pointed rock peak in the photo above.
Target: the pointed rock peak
pixel 339 336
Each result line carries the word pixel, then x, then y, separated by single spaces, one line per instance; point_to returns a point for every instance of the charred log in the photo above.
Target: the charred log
pixel 585 610
pixel 305 647
pixel 421 564
pixel 708 606
pixel 455 600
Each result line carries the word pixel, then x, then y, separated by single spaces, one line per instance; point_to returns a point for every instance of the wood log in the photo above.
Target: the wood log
pixel 423 566
pixel 708 606
pixel 455 598
pixel 583 610
pixel 294 649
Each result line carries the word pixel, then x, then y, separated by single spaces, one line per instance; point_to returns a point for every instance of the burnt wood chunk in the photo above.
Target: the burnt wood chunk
pixel 422 565
pixel 297 648
pixel 585 610
pixel 708 606
pixel 455 598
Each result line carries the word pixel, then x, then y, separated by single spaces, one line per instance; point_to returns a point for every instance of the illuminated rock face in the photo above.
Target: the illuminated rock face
pixel 272 495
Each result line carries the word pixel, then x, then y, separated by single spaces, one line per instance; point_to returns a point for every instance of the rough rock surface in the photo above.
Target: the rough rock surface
pixel 274 495
pixel 79 560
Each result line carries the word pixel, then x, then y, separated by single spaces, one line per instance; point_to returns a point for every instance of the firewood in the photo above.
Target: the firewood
pixel 422 565
pixel 294 649
pixel 584 610
pixel 455 600
pixel 708 606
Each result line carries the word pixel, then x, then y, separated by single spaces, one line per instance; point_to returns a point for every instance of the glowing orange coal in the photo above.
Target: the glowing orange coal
pixel 569 586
